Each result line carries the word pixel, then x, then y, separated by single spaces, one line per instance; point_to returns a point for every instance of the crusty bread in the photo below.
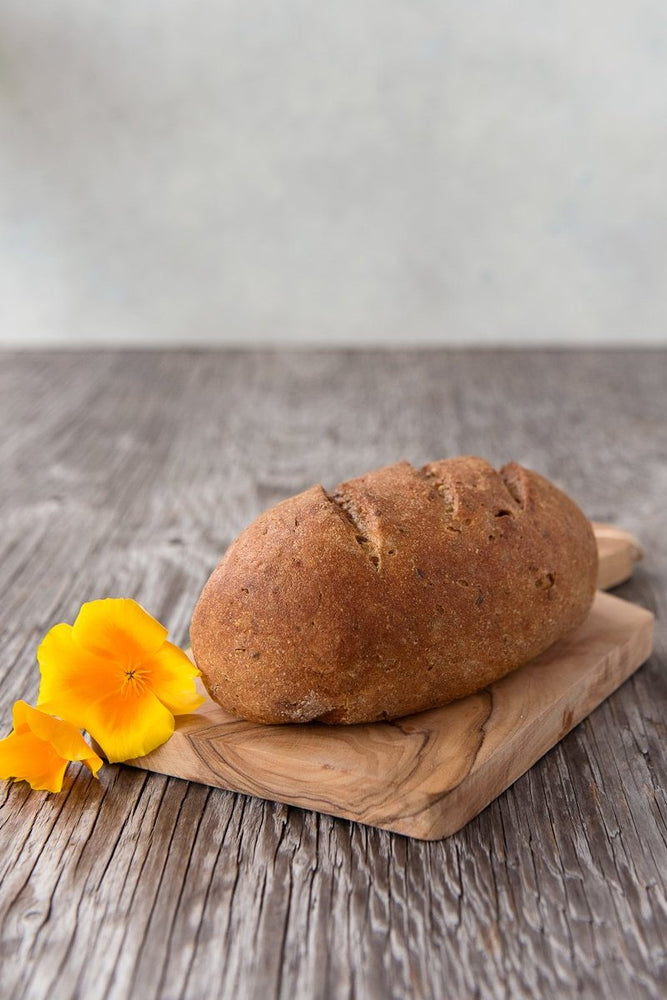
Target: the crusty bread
pixel 400 592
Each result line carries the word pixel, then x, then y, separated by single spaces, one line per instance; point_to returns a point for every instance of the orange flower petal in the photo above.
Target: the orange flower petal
pixel 65 738
pixel 20 715
pixel 73 678
pixel 24 757
pixel 172 679
pixel 40 748
pixel 129 725
pixel 119 628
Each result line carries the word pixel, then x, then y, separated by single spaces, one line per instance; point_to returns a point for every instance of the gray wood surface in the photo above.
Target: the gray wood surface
pixel 128 474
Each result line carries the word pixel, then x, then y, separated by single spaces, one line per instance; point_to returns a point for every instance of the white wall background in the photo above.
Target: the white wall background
pixel 356 172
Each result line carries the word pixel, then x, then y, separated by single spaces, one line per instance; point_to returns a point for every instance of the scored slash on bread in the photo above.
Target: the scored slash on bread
pixel 401 591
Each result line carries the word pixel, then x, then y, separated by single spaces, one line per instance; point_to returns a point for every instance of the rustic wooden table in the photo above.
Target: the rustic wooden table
pixel 128 474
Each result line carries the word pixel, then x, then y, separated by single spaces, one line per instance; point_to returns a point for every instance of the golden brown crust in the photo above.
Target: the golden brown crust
pixel 402 591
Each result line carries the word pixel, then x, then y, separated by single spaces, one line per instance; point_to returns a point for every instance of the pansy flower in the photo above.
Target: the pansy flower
pixel 114 674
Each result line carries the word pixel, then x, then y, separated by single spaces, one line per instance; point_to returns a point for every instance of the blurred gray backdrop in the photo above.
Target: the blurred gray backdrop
pixel 357 172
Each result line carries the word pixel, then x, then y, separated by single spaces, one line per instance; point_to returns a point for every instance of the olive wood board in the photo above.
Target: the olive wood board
pixel 425 775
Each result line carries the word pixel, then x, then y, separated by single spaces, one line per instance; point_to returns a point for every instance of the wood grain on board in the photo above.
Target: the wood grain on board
pixel 127 474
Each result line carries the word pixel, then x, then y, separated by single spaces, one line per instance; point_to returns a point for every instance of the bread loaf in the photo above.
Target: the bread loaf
pixel 401 591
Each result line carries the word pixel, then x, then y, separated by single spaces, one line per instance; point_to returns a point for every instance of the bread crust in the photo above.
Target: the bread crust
pixel 402 591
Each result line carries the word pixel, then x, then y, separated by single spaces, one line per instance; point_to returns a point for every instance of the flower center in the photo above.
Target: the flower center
pixel 134 679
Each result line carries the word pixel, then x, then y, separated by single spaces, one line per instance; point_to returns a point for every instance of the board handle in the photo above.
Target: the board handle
pixel 618 551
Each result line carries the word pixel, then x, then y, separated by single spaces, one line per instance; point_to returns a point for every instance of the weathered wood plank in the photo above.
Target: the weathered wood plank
pixel 129 474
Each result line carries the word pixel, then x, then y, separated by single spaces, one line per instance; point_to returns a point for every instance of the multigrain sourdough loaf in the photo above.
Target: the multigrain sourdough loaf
pixel 401 591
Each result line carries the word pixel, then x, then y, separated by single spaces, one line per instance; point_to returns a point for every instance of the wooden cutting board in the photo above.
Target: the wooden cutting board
pixel 426 775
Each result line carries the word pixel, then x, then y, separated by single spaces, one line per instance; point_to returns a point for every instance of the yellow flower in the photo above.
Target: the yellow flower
pixel 114 674
pixel 40 748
